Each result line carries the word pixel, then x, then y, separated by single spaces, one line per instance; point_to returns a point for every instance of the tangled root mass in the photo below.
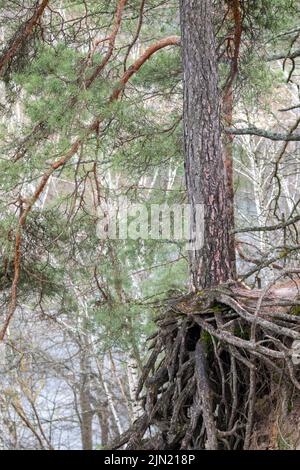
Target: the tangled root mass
pixel 215 357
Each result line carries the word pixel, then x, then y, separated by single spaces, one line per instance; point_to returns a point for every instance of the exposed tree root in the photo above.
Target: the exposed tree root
pixel 217 355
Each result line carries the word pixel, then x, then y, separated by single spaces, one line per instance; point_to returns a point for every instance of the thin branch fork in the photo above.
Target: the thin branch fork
pixel 205 395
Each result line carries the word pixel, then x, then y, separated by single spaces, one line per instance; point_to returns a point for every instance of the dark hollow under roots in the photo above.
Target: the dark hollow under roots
pixel 217 366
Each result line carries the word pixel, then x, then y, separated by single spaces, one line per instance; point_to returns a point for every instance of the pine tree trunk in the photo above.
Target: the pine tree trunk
pixel 204 164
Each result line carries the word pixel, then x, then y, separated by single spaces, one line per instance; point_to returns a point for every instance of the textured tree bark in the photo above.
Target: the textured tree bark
pixel 204 165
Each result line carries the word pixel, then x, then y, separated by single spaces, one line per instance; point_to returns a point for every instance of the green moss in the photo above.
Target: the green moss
pixel 295 310
pixel 290 406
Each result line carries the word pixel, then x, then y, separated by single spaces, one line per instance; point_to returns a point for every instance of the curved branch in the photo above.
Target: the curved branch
pixel 284 55
pixel 27 30
pixel 251 259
